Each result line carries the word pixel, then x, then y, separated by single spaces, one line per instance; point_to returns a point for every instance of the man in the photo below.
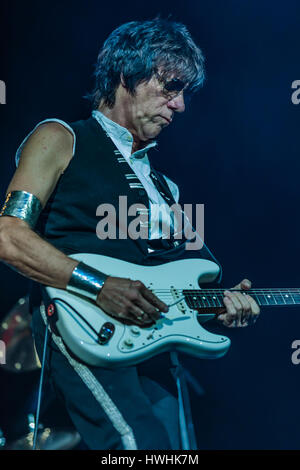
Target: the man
pixel 143 72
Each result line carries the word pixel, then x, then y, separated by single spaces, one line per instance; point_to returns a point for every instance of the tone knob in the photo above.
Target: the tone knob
pixel 128 343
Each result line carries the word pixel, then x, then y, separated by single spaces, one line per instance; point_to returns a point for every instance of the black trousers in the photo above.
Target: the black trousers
pixel 145 396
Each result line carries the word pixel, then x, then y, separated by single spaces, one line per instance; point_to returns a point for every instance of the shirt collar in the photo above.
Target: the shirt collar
pixel 120 133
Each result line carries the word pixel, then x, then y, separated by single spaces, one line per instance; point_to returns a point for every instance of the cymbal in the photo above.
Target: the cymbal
pixel 47 439
pixel 20 353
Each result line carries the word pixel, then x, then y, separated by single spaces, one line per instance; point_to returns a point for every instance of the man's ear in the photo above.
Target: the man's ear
pixel 122 80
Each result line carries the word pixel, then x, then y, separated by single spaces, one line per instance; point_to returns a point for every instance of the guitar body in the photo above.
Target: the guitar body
pixel 179 329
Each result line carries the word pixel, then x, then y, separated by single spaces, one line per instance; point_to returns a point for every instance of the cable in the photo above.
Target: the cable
pixel 77 313
pixel 40 390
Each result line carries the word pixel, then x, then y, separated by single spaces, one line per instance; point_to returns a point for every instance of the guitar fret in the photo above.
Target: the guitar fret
pixel 296 298
pixel 261 299
pixel 202 299
pixel 214 300
pixel 218 300
pixel 279 299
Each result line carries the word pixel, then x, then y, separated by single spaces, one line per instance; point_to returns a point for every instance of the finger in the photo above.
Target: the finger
pixel 244 284
pixel 238 307
pixel 135 295
pixel 147 308
pixel 226 320
pixel 139 316
pixel 134 314
pixel 149 296
pixel 229 318
pixel 255 309
pixel 251 309
pixel 246 306
pixel 155 301
pixel 123 309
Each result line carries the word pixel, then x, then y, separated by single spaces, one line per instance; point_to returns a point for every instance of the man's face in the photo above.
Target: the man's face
pixel 152 108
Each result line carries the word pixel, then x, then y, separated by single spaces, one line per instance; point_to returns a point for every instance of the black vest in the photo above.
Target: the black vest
pixel 98 174
pixel 93 177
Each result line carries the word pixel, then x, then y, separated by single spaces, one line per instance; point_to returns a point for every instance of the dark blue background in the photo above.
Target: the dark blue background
pixel 236 149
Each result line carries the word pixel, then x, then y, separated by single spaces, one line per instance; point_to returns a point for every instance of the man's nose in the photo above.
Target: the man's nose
pixel 177 103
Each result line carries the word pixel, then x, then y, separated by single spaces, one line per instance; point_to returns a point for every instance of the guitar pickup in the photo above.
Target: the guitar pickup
pixel 176 296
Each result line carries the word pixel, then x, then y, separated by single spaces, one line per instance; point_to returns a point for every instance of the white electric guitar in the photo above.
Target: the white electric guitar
pixel 101 340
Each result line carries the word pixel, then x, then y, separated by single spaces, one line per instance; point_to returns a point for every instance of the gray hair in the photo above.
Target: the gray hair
pixel 136 50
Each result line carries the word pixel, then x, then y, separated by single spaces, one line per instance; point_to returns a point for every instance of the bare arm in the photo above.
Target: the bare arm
pixel 45 156
pixel 26 252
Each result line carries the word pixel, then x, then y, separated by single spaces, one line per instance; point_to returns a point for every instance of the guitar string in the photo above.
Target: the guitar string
pixel 199 294
pixel 166 296
pixel 220 293
pixel 275 290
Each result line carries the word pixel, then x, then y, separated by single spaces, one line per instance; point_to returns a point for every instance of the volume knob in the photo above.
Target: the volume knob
pixel 135 330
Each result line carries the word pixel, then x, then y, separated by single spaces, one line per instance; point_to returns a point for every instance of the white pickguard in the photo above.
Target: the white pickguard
pixel 178 330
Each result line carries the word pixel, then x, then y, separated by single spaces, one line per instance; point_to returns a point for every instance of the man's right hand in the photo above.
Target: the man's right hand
pixel 130 301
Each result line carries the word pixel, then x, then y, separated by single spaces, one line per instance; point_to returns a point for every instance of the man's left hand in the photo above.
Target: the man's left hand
pixel 241 309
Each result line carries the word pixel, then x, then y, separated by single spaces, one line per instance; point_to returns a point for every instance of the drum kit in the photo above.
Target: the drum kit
pixel 20 357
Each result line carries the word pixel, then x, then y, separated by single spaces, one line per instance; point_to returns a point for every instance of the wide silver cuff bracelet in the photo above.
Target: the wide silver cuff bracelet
pixel 86 281
pixel 22 205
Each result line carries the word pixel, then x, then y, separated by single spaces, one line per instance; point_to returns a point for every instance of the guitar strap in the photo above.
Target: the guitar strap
pixel 103 399
pixel 173 249
pixel 163 188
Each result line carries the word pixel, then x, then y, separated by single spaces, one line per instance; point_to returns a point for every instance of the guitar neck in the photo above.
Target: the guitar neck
pixel 204 298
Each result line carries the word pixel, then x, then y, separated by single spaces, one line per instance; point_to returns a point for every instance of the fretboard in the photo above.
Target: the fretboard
pixel 204 298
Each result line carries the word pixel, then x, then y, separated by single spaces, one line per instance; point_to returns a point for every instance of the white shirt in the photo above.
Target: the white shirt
pixel 139 163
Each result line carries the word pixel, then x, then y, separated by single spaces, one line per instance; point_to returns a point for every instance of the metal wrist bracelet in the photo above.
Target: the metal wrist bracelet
pixel 86 281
